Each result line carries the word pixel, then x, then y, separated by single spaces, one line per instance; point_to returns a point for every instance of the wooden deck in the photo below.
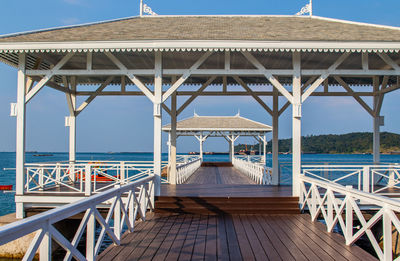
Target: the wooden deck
pixel 232 237
pixel 219 175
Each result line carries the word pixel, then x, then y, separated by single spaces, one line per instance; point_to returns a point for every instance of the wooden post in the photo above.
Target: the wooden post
pixel 376 123
pixel 296 127
pixel 172 170
pixel 275 138
pixel 20 143
pixel 201 146
pixel 157 114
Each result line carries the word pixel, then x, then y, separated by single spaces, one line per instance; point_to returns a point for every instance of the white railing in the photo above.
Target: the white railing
pixel 376 179
pixel 123 205
pixel 83 176
pixel 341 205
pixel 257 171
pixel 185 170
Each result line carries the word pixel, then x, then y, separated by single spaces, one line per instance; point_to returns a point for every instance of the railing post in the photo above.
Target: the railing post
pixel 131 209
pixel 391 181
pixel 366 179
pixel 88 180
pixel 117 217
pixel 122 173
pixel 58 174
pixel 329 207
pixel 45 246
pixel 91 237
pixel 387 236
pixel 143 201
pixel 41 178
pixel 348 233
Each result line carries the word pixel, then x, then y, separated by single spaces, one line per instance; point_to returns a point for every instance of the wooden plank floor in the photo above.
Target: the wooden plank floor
pixel 223 190
pixel 232 237
pixel 219 175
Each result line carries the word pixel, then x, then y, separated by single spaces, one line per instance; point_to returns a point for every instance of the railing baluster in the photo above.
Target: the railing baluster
pixel 88 180
pixel 45 246
pixel 91 237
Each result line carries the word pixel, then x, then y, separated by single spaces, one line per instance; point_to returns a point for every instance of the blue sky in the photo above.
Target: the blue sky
pixel 125 123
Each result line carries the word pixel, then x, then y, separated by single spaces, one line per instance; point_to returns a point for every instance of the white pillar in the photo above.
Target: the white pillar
pixel 275 138
pixel 201 140
pixel 376 140
pixel 296 127
pixel 232 147
pixel 265 150
pixel 157 114
pixel 172 170
pixel 376 124
pixel 72 125
pixel 20 133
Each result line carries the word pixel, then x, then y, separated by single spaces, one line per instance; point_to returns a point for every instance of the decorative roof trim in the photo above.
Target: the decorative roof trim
pixel 197 45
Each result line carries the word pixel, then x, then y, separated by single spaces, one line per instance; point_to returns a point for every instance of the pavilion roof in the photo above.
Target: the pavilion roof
pixel 235 123
pixel 252 28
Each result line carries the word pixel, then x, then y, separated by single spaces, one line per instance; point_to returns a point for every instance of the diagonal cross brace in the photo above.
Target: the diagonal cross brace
pixel 185 76
pixel 273 80
pixel 131 77
pixel 47 77
pixel 324 76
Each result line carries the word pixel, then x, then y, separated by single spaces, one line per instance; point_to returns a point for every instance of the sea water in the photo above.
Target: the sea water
pixel 7 163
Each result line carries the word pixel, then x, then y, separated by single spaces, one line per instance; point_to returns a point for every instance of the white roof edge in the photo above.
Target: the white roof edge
pixel 357 23
pixel 199 45
pixel 64 27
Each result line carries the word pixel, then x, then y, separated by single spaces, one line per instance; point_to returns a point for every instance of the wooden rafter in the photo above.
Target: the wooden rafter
pixel 185 75
pixel 47 77
pixel 274 81
pixel 356 97
pixel 258 99
pixel 324 76
pixel 94 95
pixel 195 95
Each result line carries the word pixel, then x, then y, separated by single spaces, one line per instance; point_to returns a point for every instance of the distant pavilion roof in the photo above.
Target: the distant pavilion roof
pixel 236 124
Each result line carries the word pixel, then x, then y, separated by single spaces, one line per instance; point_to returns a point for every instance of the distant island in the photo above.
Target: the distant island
pixel 351 143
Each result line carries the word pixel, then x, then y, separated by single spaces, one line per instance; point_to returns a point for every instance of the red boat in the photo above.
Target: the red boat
pixel 6 187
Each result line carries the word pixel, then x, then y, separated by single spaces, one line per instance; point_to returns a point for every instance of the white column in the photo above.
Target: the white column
pixel 275 138
pixel 20 133
pixel 376 140
pixel 201 140
pixel 265 150
pixel 172 170
pixel 72 126
pixel 296 127
pixel 232 147
pixel 157 114
pixel 376 124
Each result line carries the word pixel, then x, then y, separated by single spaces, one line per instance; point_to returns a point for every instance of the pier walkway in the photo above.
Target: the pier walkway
pixel 220 214
pixel 232 237
pixel 217 174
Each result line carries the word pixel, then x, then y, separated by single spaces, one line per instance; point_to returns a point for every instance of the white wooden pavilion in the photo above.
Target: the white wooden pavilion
pixel 228 127
pixel 164 57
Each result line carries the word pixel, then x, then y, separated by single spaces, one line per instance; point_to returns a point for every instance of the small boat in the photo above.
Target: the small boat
pixel 6 187
pixel 43 155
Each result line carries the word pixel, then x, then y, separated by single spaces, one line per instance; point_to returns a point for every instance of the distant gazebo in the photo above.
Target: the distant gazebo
pixel 228 127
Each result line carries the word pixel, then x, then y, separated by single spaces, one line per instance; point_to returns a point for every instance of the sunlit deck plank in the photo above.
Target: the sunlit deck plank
pixel 266 237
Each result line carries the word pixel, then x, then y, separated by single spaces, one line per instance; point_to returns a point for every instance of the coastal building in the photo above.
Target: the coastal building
pixel 158 57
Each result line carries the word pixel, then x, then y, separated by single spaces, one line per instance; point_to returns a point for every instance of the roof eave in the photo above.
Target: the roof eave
pixel 200 45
